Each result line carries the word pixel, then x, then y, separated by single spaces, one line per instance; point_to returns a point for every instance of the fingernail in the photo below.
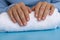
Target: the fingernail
pixel 39 19
pixel 25 23
pixel 36 15
pixel 21 24
pixel 28 19
pixel 50 14
pixel 43 18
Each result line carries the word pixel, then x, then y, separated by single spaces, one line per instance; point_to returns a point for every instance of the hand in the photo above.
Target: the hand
pixel 19 13
pixel 42 9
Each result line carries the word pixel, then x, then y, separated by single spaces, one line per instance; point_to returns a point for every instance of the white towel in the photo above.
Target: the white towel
pixel 51 22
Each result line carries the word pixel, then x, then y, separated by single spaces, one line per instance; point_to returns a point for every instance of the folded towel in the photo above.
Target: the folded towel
pixel 51 22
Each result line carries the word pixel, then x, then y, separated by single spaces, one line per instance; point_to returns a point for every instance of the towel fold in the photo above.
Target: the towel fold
pixel 51 22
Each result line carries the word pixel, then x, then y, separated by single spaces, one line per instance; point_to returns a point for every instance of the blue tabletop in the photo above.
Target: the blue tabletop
pixel 32 35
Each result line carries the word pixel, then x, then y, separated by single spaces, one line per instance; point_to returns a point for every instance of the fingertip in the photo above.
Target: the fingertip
pixel 14 21
pixel 43 18
pixel 21 24
pixel 28 19
pixel 25 23
pixel 39 19
pixel 36 15
pixel 50 13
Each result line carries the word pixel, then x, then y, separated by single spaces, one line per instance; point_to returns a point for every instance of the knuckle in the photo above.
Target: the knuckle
pixel 45 2
pixel 16 5
pixel 21 3
pixel 42 8
pixel 52 5
pixel 39 2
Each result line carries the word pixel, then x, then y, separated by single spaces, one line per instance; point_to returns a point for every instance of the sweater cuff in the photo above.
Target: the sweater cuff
pixel 6 8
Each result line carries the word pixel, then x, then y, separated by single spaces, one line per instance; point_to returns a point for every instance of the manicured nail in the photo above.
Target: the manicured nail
pixel 43 18
pixel 28 19
pixel 39 19
pixel 25 23
pixel 21 24
pixel 50 14
pixel 36 15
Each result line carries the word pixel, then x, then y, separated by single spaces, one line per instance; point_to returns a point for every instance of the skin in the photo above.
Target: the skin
pixel 19 13
pixel 42 9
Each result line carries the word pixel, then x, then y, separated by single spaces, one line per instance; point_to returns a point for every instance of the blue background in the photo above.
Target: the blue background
pixel 31 35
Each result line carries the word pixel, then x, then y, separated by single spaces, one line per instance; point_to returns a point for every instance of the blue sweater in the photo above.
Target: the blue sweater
pixel 6 4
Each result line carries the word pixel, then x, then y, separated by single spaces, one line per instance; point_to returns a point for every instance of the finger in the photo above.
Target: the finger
pixel 17 17
pixel 41 11
pixel 29 9
pixel 21 15
pixel 37 9
pixel 46 12
pixel 33 8
pixel 52 10
pixel 11 15
pixel 25 11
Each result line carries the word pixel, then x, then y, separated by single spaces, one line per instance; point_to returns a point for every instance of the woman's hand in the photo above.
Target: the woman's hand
pixel 42 9
pixel 19 13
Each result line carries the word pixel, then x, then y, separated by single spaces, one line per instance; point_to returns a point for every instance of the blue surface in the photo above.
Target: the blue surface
pixel 32 35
